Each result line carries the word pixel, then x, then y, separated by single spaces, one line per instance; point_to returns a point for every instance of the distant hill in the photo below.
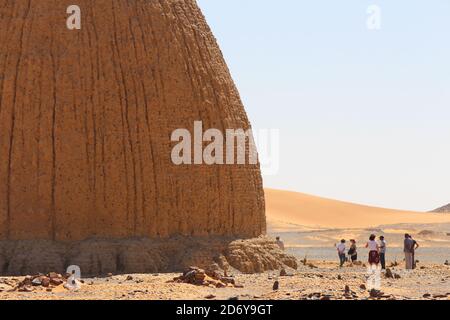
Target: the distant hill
pixel 291 208
pixel 444 209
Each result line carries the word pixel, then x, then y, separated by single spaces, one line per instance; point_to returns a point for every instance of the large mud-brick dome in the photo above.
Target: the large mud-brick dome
pixel 86 118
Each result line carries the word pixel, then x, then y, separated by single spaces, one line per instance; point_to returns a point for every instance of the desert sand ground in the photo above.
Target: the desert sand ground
pixel 305 223
pixel 322 281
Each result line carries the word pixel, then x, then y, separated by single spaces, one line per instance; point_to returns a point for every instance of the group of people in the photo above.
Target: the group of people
pixel 377 251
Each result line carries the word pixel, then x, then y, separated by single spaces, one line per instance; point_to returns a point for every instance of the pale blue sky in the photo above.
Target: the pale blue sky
pixel 364 115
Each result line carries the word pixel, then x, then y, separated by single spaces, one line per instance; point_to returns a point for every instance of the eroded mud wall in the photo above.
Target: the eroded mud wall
pixel 86 117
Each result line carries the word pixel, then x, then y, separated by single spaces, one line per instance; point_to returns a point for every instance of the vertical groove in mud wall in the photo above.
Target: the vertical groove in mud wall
pixel 86 117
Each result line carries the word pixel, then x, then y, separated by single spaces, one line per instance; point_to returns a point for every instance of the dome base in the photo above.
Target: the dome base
pixel 97 257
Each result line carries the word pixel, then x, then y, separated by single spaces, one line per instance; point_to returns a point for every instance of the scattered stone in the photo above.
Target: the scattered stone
pixel 27 281
pixel 25 289
pixel 447 263
pixel 109 275
pixel 9 282
pixel 199 277
pixel 427 295
pixel 210 296
pixel 363 287
pixel 276 285
pixel 393 264
pixel 315 295
pixel 389 274
pixel 213 267
pixel 56 281
pixel 214 271
pixel 339 277
pixel 48 281
pixel 397 276
pixel 227 280
pixel 129 278
pixel 54 275
pixel 45 282
pixel 139 291
pixel 233 298
pixel 347 290
pixel 36 282
pixel 376 293
pixel 283 273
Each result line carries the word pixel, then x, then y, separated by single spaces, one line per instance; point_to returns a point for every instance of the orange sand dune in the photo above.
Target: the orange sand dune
pixel 291 208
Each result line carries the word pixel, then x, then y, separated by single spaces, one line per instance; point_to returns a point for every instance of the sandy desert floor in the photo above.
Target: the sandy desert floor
pixel 309 226
pixel 324 281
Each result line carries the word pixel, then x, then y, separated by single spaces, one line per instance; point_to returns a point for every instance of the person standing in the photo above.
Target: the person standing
pixel 352 252
pixel 373 270
pixel 341 252
pixel 408 249
pixel 383 253
pixel 374 251
pixel 280 243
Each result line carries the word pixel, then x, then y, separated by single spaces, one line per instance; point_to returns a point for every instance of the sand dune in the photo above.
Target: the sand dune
pixel 291 209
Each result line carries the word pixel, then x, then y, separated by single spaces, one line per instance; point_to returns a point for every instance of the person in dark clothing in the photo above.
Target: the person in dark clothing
pixel 408 249
pixel 383 253
pixel 352 252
